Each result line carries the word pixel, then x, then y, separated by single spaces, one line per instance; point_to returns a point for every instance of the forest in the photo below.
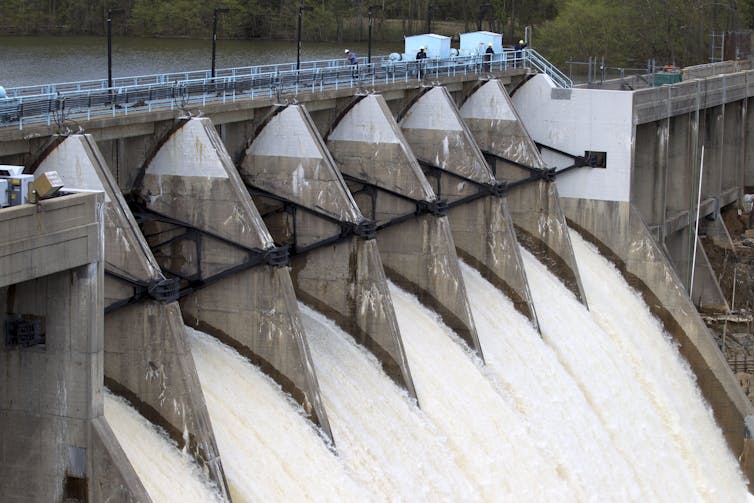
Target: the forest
pixel 624 32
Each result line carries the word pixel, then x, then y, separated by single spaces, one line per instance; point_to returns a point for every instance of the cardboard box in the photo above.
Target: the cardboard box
pixel 47 184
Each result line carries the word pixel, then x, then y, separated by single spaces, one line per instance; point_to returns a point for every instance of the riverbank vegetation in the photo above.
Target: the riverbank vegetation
pixel 624 32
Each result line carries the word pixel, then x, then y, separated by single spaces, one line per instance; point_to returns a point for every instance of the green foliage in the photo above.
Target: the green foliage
pixel 624 32
pixel 629 32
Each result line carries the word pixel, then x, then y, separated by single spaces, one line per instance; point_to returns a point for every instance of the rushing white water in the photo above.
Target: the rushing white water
pixel 270 451
pixel 386 441
pixel 528 372
pixel 665 377
pixel 599 408
pixel 608 381
pixel 490 439
pixel 168 474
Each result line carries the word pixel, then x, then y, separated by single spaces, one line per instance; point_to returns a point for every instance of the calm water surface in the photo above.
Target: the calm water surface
pixel 28 61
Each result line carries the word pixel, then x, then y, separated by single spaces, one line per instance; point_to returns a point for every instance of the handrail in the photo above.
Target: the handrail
pixel 84 100
pixel 161 78
pixel 538 62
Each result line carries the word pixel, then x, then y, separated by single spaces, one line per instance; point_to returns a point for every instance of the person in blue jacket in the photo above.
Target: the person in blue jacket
pixel 519 47
pixel 353 60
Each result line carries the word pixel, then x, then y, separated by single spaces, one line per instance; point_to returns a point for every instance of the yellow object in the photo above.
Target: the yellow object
pixel 47 184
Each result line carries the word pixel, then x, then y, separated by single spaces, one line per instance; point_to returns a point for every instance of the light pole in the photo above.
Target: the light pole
pixel 223 10
pixel 109 20
pixel 483 9
pixel 301 9
pixel 369 14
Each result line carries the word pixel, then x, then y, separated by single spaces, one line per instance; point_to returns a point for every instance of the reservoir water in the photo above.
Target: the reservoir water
pixel 28 61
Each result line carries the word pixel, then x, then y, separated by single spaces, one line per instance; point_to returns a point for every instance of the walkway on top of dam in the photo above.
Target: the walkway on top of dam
pixel 55 103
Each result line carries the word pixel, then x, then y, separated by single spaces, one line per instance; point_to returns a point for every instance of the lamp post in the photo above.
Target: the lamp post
pixel 369 14
pixel 215 12
pixel 301 9
pixel 109 19
pixel 483 9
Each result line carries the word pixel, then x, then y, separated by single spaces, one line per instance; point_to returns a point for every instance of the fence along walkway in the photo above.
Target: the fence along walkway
pixel 83 100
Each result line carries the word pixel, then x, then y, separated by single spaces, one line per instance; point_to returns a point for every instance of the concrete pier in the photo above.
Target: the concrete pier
pixel 56 444
pixel 418 250
pixel 620 234
pixel 306 203
pixel 147 359
pixel 191 179
pixel 459 174
pixel 534 207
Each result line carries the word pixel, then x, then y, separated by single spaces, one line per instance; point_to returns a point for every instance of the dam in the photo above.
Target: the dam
pixel 465 281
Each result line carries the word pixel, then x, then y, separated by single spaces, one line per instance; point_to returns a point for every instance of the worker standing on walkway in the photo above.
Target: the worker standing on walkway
pixel 353 60
pixel 420 57
pixel 488 57
pixel 519 48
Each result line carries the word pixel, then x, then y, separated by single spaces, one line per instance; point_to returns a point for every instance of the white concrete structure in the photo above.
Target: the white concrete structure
pixel 436 46
pixel 575 121
pixel 476 42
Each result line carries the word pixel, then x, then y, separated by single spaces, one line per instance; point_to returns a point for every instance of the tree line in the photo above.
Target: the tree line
pixel 625 32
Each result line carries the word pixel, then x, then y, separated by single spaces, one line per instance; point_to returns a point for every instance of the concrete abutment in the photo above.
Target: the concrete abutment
pixel 56 443
pixel 146 356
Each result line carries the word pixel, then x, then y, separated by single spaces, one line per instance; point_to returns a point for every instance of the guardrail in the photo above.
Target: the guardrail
pixel 539 63
pixel 84 100
pixel 163 78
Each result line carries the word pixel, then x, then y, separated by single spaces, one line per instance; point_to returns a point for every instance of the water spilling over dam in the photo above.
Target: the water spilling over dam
pixel 388 447
pixel 167 473
pixel 483 434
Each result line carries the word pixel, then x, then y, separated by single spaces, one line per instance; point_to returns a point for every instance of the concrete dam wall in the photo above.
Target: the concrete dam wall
pixel 225 225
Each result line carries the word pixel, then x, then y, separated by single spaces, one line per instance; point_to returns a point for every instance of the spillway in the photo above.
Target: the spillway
pixel 612 383
pixel 599 408
pixel 661 372
pixel 167 473
pixel 272 452
pixel 490 439
pixel 527 371
pixel 390 446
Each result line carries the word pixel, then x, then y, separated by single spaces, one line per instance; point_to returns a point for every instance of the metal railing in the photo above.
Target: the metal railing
pixel 57 103
pixel 539 63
